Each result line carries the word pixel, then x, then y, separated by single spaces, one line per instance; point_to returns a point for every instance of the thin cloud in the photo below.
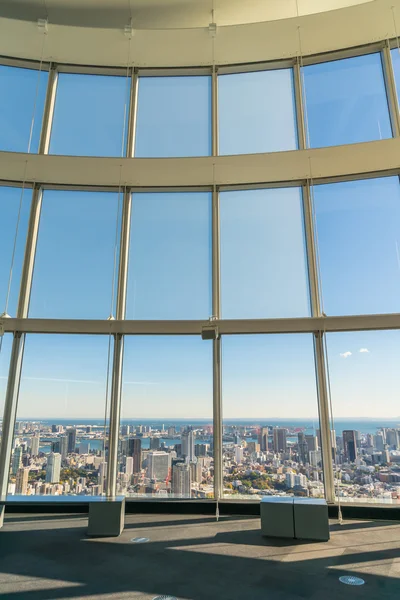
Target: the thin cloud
pixel 61 380
pixel 141 383
pixel 363 350
pixel 345 354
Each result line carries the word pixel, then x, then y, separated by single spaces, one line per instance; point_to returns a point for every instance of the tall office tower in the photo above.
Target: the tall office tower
pixel 238 454
pixel 181 480
pixel 370 440
pixel 253 447
pixel 154 443
pixel 53 467
pixel 172 430
pixel 129 465
pixel 350 444
pixel 196 472
pixel 56 446
pixel 303 448
pixel 315 457
pixel 158 465
pixel 35 439
pixel 379 441
pixel 279 437
pixel 263 438
pixel 187 441
pixel 125 430
pixel 54 429
pixel 21 485
pixel 71 435
pixel 16 462
pixel 300 480
pixel 135 450
pixel 358 438
pixel 201 449
pixel 312 442
pixel 63 447
pixel 392 438
pixel 102 472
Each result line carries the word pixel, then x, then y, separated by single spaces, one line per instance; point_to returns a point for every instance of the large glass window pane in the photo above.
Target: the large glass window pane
pixel 257 112
pixel 59 442
pixel 170 256
pixel 263 261
pixel 14 216
pixel 358 233
pixel 166 444
pixel 346 101
pixel 22 98
pixel 364 381
pixel 173 117
pixel 74 264
pixel 90 115
pixel 271 442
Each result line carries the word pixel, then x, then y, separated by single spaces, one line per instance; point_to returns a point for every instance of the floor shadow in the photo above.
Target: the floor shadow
pixel 349 526
pixel 194 568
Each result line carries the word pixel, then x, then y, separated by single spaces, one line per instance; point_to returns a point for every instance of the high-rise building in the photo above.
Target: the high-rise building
pixel 125 429
pixel 302 448
pixel 135 450
pixel 53 467
pixel 187 441
pixel 312 442
pixel 392 438
pixel 238 454
pixel 63 447
pixel 71 435
pixel 279 439
pixel 154 443
pixel 21 484
pixel 196 472
pixel 158 465
pixel 16 462
pixel 201 449
pixel 263 438
pixel 54 429
pixel 350 444
pixel 35 440
pixel 289 480
pixel 56 446
pixel 181 480
pixel 129 465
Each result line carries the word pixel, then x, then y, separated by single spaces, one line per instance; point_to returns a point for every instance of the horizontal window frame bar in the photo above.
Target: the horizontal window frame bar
pixel 285 63
pixel 224 326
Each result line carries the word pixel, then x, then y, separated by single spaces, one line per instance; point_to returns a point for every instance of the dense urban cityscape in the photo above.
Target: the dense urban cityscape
pixel 177 461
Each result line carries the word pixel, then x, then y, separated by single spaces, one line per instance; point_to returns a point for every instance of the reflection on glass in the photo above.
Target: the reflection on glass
pixel 263 262
pixel 74 264
pixel 59 443
pixel 170 256
pixel 358 232
pixel 90 115
pixel 13 231
pixel 257 112
pixel 5 354
pixel 22 98
pixel 271 440
pixel 173 117
pixel 364 381
pixel 166 444
pixel 346 101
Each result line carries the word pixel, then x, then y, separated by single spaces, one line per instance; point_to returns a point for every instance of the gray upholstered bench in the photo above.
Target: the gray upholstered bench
pixel 311 520
pixel 277 516
pixel 296 518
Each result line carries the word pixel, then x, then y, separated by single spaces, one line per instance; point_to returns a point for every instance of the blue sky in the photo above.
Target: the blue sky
pixel 263 266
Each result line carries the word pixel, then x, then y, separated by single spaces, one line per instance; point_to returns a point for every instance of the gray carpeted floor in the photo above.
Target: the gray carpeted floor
pixel 45 557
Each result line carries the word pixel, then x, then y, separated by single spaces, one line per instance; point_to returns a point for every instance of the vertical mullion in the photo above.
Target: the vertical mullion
pixel 216 357
pixel 116 379
pixel 48 110
pixel 299 101
pixel 311 251
pixel 214 112
pixel 17 351
pixel 323 405
pixel 391 89
pixel 130 146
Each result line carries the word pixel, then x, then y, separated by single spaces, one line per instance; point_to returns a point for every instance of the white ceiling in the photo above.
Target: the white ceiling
pixel 154 14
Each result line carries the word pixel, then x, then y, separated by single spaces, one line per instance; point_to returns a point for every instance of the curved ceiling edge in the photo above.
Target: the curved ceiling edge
pixel 338 161
pixel 321 32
